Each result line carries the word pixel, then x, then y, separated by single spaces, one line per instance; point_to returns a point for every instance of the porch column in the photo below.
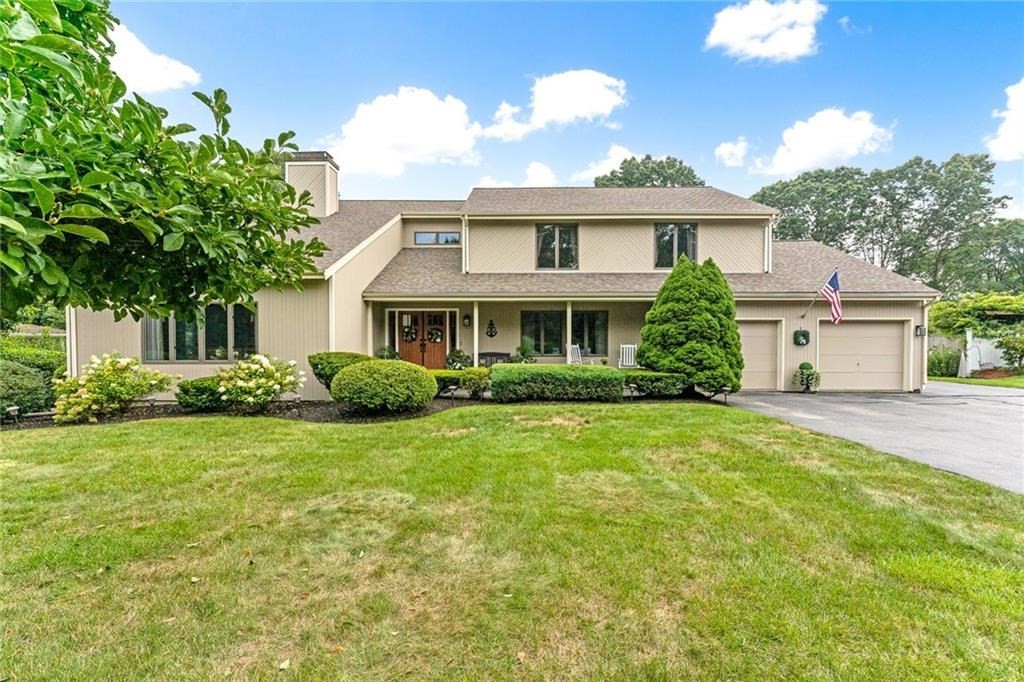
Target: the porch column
pixel 369 328
pixel 476 333
pixel 568 330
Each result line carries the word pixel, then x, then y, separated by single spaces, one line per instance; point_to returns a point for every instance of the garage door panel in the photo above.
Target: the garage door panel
pixel 760 354
pixel 862 356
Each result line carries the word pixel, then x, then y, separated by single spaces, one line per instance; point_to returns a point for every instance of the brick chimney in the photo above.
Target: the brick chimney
pixel 317 173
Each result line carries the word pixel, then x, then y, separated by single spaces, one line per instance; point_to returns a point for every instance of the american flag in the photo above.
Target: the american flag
pixel 831 292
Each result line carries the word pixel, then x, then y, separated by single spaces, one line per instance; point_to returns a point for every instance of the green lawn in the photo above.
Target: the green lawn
pixel 632 541
pixel 1008 382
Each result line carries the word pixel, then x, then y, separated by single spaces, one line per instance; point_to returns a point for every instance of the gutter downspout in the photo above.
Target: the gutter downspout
pixel 465 243
pixel 924 352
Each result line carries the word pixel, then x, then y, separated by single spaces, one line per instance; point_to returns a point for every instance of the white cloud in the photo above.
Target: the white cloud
pixel 732 154
pixel 778 32
pixel 144 71
pixel 1007 144
pixel 827 138
pixel 411 126
pixel 612 160
pixel 537 175
pixel 560 99
pixel 852 29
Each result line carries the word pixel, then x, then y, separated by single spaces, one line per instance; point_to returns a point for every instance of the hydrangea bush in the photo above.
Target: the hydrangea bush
pixel 258 380
pixel 108 385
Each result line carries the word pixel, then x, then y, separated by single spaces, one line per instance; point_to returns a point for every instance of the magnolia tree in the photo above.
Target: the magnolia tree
pixel 691 329
pixel 103 202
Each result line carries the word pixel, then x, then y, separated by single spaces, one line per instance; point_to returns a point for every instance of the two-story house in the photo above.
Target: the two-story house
pixel 544 268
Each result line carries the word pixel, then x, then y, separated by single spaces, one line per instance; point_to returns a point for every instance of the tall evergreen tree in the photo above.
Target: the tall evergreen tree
pixel 691 329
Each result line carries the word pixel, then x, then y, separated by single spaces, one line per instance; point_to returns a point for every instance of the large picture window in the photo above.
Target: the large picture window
pixel 590 331
pixel 557 247
pixel 542 331
pixel 673 241
pixel 227 334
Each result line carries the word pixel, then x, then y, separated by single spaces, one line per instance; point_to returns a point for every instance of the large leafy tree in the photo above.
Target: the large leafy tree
pixel 104 204
pixel 650 172
pixel 691 329
pixel 923 219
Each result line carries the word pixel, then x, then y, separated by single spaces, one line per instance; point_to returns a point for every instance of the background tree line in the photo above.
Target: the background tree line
pixel 934 222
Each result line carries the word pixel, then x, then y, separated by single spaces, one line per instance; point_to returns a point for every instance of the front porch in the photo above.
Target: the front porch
pixel 489 331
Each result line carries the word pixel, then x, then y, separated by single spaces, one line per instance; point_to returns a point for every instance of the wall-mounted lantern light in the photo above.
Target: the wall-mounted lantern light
pixel 466 320
pixel 919 330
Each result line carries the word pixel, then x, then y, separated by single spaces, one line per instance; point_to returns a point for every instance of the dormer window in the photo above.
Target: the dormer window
pixel 672 241
pixel 557 247
pixel 436 238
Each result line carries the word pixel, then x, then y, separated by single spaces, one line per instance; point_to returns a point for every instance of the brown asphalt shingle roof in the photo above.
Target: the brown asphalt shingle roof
pixel 603 200
pixel 800 267
pixel 358 219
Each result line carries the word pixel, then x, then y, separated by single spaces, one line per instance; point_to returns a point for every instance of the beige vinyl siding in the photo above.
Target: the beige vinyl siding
pixel 290 325
pixel 615 245
pixel 412 225
pixel 348 282
pixel 310 178
pixel 760 341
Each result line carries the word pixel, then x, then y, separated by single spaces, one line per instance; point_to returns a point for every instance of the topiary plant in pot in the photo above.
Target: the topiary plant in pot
pixel 807 377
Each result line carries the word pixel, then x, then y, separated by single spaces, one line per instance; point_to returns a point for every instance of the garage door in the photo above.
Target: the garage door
pixel 861 356
pixel 760 354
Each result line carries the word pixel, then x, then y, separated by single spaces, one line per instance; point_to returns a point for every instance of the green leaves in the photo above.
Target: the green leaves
pixel 45 11
pixel 173 241
pixel 87 231
pixel 50 59
pixel 82 211
pixel 44 197
pixel 93 178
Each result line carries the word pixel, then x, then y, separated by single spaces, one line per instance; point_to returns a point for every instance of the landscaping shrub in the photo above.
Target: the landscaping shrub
pixel 387 353
pixel 516 382
pixel 474 380
pixel 28 351
pixel 943 362
pixel 657 384
pixel 1012 346
pixel 458 359
pixel 326 365
pixel 384 386
pixel 691 329
pixel 108 385
pixel 201 395
pixel 23 386
pixel 258 380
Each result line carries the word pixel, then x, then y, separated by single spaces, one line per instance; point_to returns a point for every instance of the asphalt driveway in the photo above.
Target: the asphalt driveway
pixel 976 431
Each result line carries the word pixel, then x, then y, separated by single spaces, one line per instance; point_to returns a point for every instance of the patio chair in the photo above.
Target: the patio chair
pixel 627 356
pixel 575 356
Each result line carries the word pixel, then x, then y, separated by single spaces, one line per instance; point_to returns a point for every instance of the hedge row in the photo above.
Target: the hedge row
pixel 515 382
pixel 49 363
pixel 653 384
pixel 24 387
pixel 472 379
pixel 326 366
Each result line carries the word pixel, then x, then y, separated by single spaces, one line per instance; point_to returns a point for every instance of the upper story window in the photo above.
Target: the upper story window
pixel 229 334
pixel 672 241
pixel 557 247
pixel 436 238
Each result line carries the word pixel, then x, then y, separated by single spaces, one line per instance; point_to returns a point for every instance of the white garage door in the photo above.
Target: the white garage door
pixel 861 356
pixel 760 354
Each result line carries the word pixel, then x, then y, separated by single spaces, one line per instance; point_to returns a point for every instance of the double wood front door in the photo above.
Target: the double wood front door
pixel 423 337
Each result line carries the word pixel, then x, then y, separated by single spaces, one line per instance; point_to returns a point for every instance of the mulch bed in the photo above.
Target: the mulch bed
pixel 993 374
pixel 309 411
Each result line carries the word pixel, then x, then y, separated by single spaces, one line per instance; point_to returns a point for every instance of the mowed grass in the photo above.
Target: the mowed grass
pixel 633 541
pixel 1005 382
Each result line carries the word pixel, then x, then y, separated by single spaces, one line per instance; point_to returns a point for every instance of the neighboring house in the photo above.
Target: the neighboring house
pixel 543 267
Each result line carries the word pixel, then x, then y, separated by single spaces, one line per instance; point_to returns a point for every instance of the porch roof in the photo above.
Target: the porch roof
pixel 800 268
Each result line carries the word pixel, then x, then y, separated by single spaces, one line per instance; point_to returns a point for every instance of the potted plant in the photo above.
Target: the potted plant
pixel 807 377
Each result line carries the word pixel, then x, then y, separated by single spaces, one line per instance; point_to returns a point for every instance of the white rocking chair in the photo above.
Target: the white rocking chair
pixel 575 356
pixel 627 356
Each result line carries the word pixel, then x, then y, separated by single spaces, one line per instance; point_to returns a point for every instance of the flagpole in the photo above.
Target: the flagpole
pixel 816 294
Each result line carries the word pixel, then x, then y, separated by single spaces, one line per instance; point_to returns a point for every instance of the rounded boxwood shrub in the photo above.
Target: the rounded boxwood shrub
pixel 24 387
pixel 200 395
pixel 384 386
pixel 326 365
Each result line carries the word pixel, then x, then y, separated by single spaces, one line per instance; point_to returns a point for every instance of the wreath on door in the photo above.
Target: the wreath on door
pixel 435 335
pixel 408 334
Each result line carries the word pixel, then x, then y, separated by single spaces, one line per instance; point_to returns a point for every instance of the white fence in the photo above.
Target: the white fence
pixel 977 353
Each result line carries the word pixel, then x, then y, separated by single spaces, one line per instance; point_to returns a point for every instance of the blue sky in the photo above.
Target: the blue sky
pixel 406 95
